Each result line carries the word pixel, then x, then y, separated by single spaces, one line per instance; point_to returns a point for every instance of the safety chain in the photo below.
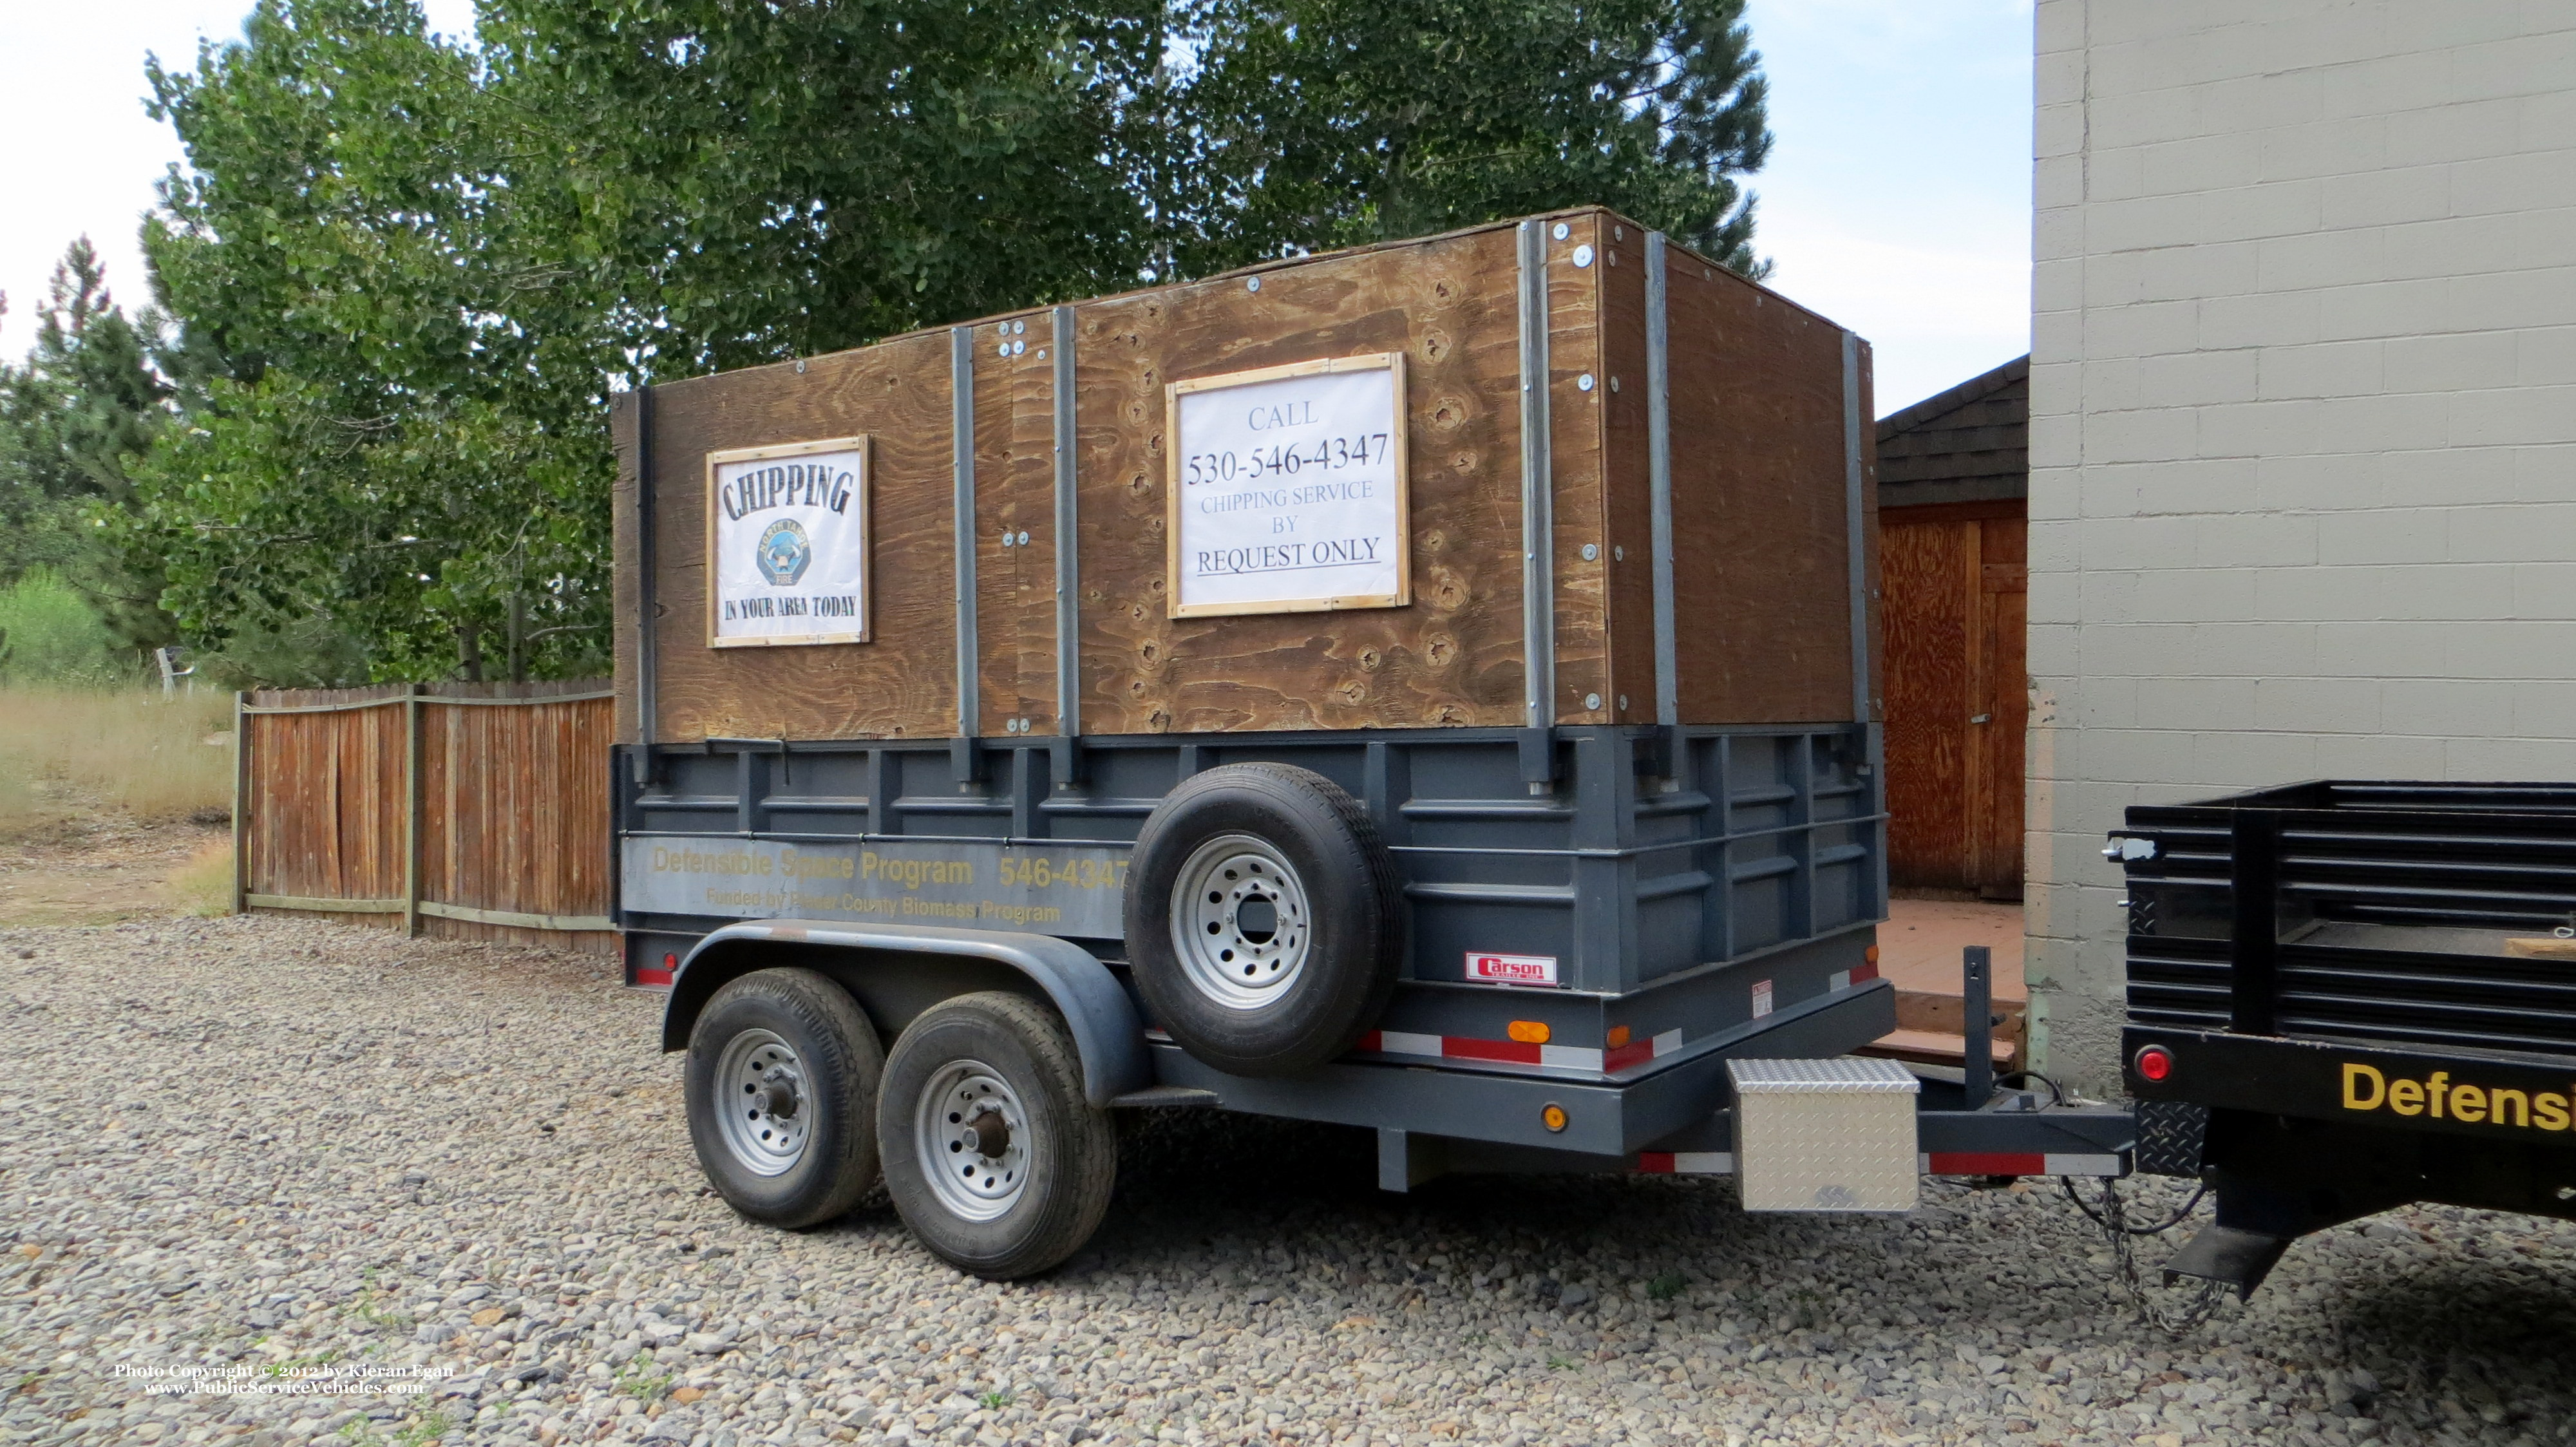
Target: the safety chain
pixel 2112 1217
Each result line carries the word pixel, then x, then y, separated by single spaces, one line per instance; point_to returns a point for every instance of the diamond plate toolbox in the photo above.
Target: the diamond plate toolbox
pixel 1825 1135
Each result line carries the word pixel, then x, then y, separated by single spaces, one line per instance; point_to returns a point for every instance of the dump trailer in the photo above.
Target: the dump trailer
pixel 2348 996
pixel 1429 688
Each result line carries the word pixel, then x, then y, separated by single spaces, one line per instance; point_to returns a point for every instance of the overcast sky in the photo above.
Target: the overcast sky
pixel 1897 200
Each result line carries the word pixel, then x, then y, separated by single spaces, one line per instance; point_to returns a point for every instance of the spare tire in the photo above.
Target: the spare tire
pixel 1265 918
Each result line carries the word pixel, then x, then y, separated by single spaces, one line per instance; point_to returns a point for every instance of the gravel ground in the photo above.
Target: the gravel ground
pixel 265 1144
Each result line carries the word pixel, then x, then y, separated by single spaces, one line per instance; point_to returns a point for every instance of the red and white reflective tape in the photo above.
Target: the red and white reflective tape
pixel 1841 980
pixel 2017 1163
pixel 1940 1163
pixel 1515 1052
pixel 1685 1163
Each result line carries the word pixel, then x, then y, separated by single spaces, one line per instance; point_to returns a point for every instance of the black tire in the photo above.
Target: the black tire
pixel 826 1074
pixel 1046 1186
pixel 1309 1009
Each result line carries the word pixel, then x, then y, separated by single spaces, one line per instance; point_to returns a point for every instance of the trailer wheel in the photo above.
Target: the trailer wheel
pixel 782 1084
pixel 1265 918
pixel 992 1154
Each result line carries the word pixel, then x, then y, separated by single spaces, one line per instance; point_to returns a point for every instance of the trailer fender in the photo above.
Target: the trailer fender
pixel 1103 1021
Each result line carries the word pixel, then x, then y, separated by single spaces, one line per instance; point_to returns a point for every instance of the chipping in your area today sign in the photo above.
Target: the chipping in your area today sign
pixel 787 533
pixel 1288 489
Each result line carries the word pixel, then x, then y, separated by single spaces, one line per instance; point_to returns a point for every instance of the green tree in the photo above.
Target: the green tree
pixel 410 273
pixel 1319 123
pixel 402 440
pixel 76 418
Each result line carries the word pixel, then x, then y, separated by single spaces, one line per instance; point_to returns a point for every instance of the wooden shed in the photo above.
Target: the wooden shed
pixel 1616 484
pixel 1954 476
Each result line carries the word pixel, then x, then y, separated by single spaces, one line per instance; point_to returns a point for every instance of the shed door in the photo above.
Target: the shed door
pixel 1955 580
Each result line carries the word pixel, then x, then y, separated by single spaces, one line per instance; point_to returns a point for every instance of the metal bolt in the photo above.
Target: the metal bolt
pixel 1623 703
pixel 1041 352
pixel 1618 555
pixel 1019 326
pixel 1592 700
pixel 1561 231
pixel 1006 537
pixel 800 366
pixel 1590 552
pixel 1024 538
pixel 1582 257
pixel 1252 283
pixel 1614 384
pixel 1583 383
pixel 1003 350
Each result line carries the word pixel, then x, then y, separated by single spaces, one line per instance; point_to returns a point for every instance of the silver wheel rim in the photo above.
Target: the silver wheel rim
pixel 764 1106
pixel 973 1138
pixel 1240 922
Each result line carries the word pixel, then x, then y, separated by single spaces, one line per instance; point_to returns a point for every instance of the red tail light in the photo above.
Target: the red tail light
pixel 2153 1062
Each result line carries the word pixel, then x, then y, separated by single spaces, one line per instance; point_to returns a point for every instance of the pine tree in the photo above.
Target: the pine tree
pixel 75 420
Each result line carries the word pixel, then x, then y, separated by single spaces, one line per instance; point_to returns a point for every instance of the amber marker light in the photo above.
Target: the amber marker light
pixel 1527 1032
pixel 1552 1116
pixel 1618 1036
pixel 1870 955
pixel 2153 1062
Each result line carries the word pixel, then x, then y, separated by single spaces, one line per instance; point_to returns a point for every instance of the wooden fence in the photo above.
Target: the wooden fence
pixel 472 811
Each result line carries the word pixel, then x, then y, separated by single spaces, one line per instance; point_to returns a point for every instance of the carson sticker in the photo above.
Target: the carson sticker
pixel 1512 969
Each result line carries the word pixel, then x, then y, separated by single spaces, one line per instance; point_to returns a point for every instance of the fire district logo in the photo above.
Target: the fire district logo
pixel 784 553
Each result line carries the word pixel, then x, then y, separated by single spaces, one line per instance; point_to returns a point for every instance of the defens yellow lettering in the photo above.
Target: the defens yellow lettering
pixel 2365 1087
pixel 2468 1104
pixel 2499 1098
pixel 2549 1111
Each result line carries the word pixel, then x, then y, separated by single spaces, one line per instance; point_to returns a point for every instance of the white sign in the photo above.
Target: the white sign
pixel 1512 969
pixel 1288 489
pixel 787 536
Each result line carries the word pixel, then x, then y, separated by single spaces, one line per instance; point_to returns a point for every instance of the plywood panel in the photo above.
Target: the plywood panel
pixel 1759 480
pixel 1759 504
pixel 1576 459
pixel 1932 585
pixel 902 684
pixel 1453 655
pixel 1627 495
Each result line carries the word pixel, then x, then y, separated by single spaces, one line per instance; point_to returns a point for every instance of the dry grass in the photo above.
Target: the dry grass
pixel 204 885
pixel 63 750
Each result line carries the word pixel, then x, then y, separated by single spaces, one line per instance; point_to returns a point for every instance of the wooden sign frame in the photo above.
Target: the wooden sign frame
pixel 859 444
pixel 1397 442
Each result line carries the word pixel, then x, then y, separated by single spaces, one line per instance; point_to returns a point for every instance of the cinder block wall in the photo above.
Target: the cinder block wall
pixel 2303 424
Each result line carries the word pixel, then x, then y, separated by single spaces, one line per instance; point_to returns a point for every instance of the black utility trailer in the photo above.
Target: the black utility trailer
pixel 2345 997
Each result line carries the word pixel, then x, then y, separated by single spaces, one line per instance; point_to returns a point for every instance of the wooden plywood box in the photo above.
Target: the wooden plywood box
pixel 1023 479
